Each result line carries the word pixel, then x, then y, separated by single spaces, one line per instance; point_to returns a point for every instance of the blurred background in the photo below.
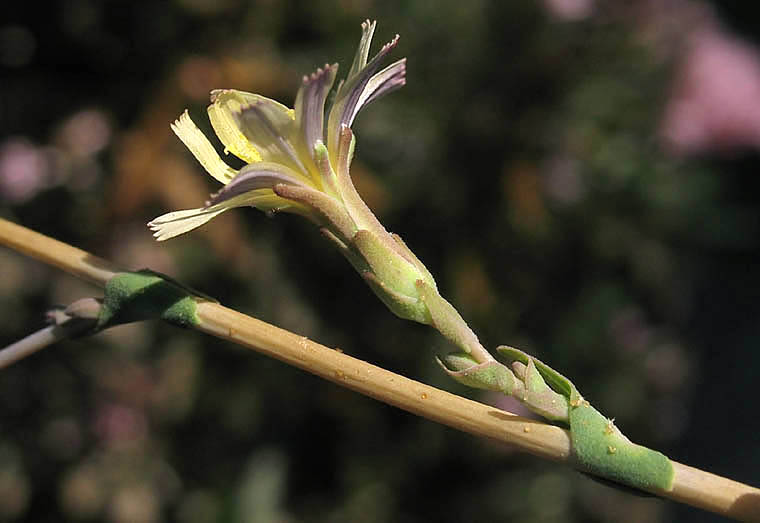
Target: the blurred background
pixel 580 176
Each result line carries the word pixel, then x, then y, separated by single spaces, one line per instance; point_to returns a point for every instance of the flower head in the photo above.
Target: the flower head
pixel 295 160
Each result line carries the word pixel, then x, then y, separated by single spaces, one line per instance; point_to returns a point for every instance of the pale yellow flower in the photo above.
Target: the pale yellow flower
pixel 294 162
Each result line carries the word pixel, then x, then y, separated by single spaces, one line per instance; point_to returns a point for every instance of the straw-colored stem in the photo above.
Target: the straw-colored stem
pixel 470 416
pixel 690 486
pixel 29 345
pixel 80 263
pixel 41 339
pixel 714 493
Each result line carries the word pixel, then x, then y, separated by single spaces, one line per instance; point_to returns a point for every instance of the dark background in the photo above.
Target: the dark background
pixel 581 178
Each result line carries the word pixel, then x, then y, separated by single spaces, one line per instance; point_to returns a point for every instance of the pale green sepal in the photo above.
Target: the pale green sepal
pixel 391 276
pixel 341 246
pixel 446 319
pixel 539 396
pixel 146 295
pixel 547 392
pixel 554 379
pixel 490 375
pixel 403 306
pixel 410 256
pixel 599 448
pixel 329 178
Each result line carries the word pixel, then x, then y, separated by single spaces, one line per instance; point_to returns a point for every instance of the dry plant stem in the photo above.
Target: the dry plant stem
pixel 29 345
pixel 532 436
pixel 53 252
pixel 714 493
pixel 41 339
pixel 690 486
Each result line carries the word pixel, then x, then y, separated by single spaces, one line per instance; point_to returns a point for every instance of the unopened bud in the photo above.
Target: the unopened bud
pixel 490 375
pixel 86 308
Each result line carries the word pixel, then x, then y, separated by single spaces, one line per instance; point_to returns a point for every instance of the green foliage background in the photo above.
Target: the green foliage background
pixel 521 163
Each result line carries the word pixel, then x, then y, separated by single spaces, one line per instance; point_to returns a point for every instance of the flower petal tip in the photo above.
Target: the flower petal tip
pixel 216 93
pixel 198 144
pixel 320 73
pixel 390 45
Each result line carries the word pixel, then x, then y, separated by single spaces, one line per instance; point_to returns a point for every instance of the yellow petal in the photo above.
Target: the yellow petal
pixel 202 149
pixel 221 114
pixel 175 223
pixel 235 100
